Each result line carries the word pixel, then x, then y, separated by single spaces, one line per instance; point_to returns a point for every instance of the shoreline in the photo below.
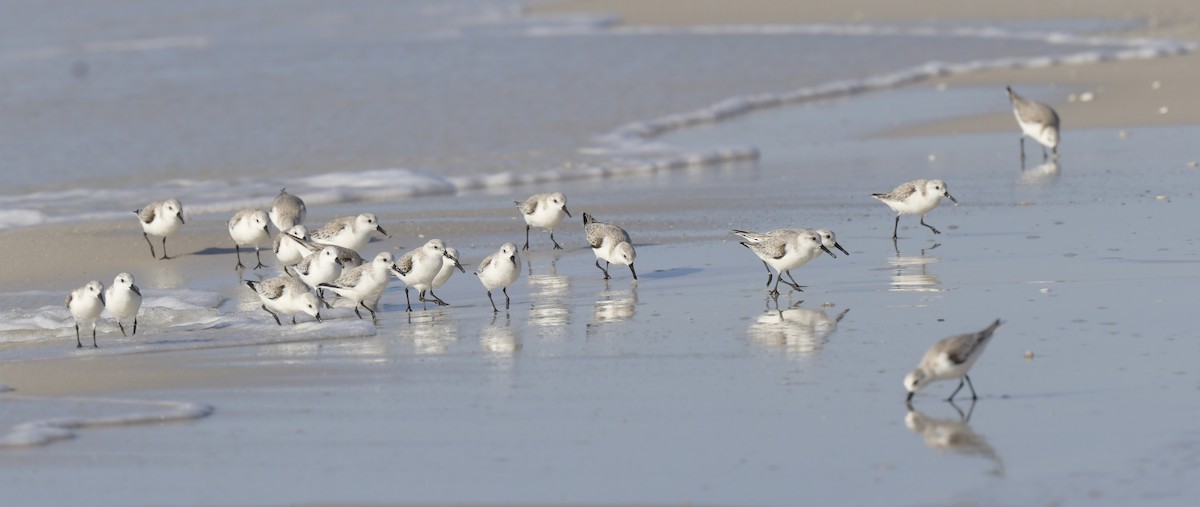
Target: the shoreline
pixel 1125 92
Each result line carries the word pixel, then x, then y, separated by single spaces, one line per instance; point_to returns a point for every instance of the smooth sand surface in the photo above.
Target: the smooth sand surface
pixel 586 384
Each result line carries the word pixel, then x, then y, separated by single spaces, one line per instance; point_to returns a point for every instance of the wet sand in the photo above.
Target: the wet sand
pixel 589 391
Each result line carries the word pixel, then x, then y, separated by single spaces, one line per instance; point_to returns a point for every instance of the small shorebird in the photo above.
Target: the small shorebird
pixel 318 268
pixel 500 269
pixel 1038 121
pixel 784 250
pixel 917 197
pixel 122 299
pixel 249 227
pixel 85 304
pixel 950 359
pixel 284 294
pixel 348 232
pixel 290 246
pixel 829 239
pixel 364 283
pixel 610 243
pixel 545 211
pixel 160 218
pixel 287 211
pixel 448 268
pixel 420 266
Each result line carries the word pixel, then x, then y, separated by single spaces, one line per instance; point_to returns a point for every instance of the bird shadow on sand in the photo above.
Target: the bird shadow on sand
pixel 671 273
pixel 212 250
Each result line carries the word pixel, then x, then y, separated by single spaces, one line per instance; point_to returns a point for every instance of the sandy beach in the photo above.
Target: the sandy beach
pixel 690 385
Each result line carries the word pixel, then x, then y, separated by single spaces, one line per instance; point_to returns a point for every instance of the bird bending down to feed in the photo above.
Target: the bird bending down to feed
pixel 284 294
pixel 1038 121
pixel 610 243
pixel 950 359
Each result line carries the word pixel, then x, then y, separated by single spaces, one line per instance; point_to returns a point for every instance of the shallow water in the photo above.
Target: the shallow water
pixel 691 385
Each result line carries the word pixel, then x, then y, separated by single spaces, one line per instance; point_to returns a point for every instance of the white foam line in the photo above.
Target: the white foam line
pixel 635 137
pixel 47 431
pixel 119 46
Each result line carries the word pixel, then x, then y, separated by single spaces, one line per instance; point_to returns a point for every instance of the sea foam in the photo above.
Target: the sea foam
pixel 632 149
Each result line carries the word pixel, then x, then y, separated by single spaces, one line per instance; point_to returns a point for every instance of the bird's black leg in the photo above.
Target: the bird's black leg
pixel 973 396
pixel 896 228
pixel 238 249
pixel 122 326
pixel 606 277
pixel 147 236
pixel 258 257
pixel 507 302
pixel 960 384
pixel 556 245
pixel 406 300
pixel 356 312
pixel 770 275
pixel 932 228
pixel 494 309
pixel 135 325
pixel 775 290
pixel 78 343
pixel 165 256
pixel 94 346
pixel 526 247
pixel 795 285
pixel 374 318
pixel 437 299
pixel 1022 141
pixel 264 307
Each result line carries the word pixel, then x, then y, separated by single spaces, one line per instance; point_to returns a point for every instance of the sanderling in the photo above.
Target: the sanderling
pixel 447 268
pixel 122 299
pixel 500 269
pixel 290 246
pixel 784 250
pixel 349 232
pixel 829 239
pixel 917 197
pixel 1037 120
pixel 610 244
pixel 321 267
pixel 160 218
pixel 420 266
pixel 85 304
pixel 364 283
pixel 949 359
pixel 545 211
pixel 249 227
pixel 285 295
pixel 287 211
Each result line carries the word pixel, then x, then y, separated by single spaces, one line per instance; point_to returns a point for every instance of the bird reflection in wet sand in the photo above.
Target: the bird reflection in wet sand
pixel 432 331
pixel 498 338
pixel 912 272
pixel 954 435
pixel 548 313
pixel 795 333
pixel 1040 176
pixel 614 305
